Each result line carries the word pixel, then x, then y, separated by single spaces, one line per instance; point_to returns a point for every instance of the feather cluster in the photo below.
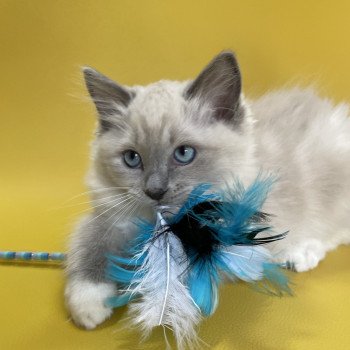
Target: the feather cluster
pixel 173 270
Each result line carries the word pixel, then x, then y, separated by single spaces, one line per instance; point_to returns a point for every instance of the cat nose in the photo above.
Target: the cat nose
pixel 156 193
pixel 156 184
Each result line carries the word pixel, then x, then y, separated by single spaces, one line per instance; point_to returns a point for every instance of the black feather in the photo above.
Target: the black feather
pixel 200 240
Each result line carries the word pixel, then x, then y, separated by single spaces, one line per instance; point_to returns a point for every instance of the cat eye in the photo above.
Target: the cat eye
pixel 132 159
pixel 184 154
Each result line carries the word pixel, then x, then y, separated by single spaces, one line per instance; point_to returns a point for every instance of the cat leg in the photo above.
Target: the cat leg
pixel 87 288
pixel 302 255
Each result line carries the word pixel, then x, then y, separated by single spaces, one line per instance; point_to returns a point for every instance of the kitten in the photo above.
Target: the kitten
pixel 155 143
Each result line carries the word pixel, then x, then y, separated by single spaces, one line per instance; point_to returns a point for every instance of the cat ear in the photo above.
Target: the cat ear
pixel 219 84
pixel 109 97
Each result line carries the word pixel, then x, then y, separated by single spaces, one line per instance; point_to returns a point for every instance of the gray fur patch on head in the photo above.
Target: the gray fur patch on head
pixel 109 97
pixel 219 85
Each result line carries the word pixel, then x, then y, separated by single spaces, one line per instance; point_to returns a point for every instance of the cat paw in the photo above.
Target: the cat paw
pixel 302 256
pixel 85 301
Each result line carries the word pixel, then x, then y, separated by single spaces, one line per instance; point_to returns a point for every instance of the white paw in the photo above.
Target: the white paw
pixel 85 301
pixel 302 256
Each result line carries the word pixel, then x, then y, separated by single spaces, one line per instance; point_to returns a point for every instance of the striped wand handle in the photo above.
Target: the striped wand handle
pixel 31 256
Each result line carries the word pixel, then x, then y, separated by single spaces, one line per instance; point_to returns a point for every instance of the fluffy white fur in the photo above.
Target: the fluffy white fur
pixel 86 302
pixel 306 141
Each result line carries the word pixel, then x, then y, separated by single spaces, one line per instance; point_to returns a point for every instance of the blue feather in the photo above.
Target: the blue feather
pixel 125 261
pixel 196 196
pixel 276 282
pixel 144 233
pixel 119 274
pixel 231 222
pixel 236 210
pixel 203 286
pixel 123 277
pixel 235 268
pixel 236 254
pixel 245 263
pixel 119 300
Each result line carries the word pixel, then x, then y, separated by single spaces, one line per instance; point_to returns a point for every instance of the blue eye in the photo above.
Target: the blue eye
pixel 184 154
pixel 132 159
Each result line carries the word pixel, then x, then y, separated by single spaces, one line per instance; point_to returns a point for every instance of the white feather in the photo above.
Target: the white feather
pixel 247 262
pixel 163 297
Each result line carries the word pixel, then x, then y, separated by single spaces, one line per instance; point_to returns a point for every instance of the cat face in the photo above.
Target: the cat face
pixel 161 140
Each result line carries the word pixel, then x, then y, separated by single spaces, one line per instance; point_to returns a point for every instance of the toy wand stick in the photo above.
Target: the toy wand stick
pixel 13 256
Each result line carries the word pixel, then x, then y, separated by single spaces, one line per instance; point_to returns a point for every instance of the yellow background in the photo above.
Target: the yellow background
pixel 46 126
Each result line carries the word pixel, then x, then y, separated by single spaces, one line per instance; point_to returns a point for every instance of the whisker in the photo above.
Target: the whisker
pixel 127 208
pixel 102 204
pixel 119 210
pixel 117 196
pixel 97 190
pixel 136 196
pixel 105 211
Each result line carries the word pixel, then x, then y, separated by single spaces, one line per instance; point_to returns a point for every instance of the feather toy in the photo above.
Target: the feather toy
pixel 172 272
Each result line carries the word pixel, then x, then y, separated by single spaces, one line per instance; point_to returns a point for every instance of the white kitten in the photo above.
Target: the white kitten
pixel 155 143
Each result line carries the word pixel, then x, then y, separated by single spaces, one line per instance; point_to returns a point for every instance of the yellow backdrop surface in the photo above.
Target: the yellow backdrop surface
pixel 46 127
